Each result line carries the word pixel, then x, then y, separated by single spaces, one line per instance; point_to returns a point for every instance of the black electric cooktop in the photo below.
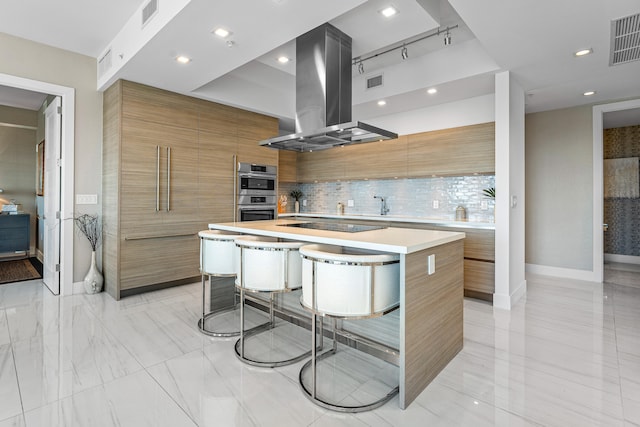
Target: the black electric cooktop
pixel 335 226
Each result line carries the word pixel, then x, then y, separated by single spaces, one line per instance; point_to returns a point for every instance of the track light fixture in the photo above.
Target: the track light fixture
pixel 447 38
pixel 404 53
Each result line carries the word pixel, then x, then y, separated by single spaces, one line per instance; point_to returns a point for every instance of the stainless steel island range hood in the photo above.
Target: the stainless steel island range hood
pixel 323 96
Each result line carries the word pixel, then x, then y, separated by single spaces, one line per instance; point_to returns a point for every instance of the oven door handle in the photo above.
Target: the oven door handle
pixel 257 175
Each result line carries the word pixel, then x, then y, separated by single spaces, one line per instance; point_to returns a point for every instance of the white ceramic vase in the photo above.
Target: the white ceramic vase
pixel 297 206
pixel 93 280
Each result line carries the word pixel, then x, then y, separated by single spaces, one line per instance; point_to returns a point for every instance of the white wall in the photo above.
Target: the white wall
pixel 460 113
pixel 559 188
pixel 30 60
pixel 510 284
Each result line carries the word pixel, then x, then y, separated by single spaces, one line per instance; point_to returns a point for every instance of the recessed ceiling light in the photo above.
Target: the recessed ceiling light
pixel 432 91
pixel 389 11
pixel 382 102
pixel 583 52
pixel 221 32
pixel 183 59
pixel 589 93
pixel 283 59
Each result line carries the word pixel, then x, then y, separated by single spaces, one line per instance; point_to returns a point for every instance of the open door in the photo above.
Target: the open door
pixel 51 265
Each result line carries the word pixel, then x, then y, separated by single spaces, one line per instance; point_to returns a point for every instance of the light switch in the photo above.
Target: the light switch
pixel 431 264
pixel 86 199
pixel 350 203
pixel 304 202
pixel 436 204
pixel 514 201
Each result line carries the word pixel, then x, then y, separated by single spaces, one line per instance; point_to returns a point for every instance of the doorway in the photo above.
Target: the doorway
pixel 599 112
pixel 66 191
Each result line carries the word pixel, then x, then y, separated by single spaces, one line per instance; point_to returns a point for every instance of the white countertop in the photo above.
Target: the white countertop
pixel 391 239
pixel 397 218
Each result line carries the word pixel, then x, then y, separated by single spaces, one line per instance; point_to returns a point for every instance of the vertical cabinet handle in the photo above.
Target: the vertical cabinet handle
pixel 168 179
pixel 234 196
pixel 157 178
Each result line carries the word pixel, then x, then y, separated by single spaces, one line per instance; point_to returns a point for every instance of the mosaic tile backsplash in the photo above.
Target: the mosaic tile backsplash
pixel 405 197
pixel 622 214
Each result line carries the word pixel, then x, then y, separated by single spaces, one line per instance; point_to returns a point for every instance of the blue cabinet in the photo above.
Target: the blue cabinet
pixel 14 233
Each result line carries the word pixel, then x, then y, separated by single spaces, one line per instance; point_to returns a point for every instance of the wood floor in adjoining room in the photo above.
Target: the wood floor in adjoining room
pixel 569 355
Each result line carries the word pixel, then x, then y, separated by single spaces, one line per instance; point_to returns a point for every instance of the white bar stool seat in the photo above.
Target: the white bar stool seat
pixel 346 283
pixel 266 267
pixel 218 258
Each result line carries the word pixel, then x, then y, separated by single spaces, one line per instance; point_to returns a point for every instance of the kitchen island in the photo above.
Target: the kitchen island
pixel 431 305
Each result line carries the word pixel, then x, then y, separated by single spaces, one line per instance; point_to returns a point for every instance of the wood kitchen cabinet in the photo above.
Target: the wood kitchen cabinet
pixel 458 151
pixel 325 165
pixel 168 172
pixel 376 160
pixel 287 166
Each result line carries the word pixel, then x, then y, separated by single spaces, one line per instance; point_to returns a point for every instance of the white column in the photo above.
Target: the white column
pixel 510 283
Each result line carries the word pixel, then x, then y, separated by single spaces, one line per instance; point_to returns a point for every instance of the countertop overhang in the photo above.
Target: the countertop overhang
pixel 397 218
pixel 390 239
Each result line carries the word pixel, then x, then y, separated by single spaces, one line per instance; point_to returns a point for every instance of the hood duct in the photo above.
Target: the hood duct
pixel 323 96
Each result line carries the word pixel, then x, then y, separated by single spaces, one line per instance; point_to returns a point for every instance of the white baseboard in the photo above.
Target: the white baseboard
pixel 565 273
pixel 78 288
pixel 626 259
pixel 506 302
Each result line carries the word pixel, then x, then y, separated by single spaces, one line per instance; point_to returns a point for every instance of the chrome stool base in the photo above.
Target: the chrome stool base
pixel 212 314
pixel 269 325
pixel 311 392
pixel 201 325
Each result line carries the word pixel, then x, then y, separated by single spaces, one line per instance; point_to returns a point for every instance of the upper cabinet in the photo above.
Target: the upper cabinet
pixel 287 166
pixel 458 151
pixel 382 159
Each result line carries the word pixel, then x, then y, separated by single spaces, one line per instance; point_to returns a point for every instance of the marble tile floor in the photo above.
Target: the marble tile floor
pixel 622 274
pixel 569 355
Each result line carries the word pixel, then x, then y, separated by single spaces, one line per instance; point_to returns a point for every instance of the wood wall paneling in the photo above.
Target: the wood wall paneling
pixel 112 113
pixel 433 333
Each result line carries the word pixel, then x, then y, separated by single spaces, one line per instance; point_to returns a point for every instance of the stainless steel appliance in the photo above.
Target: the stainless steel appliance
pixel 256 198
pixel 256 179
pixel 323 96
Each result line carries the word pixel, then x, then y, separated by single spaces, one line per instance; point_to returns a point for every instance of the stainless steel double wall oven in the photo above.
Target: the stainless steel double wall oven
pixel 256 192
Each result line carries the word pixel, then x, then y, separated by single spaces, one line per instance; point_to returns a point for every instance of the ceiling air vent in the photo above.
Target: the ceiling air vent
pixel 625 40
pixel 104 63
pixel 149 11
pixel 374 81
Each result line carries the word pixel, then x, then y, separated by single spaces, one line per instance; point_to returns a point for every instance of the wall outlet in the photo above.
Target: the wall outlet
pixel 304 202
pixel 350 203
pixel 436 204
pixel 431 264
pixel 484 205
pixel 86 199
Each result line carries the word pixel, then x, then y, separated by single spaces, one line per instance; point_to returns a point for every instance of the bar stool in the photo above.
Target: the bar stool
pixel 345 283
pixel 218 255
pixel 266 268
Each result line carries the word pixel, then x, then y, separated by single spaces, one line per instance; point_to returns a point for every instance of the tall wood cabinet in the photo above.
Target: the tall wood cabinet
pixel 168 172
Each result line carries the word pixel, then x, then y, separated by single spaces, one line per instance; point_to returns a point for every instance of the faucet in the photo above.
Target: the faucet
pixel 383 205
